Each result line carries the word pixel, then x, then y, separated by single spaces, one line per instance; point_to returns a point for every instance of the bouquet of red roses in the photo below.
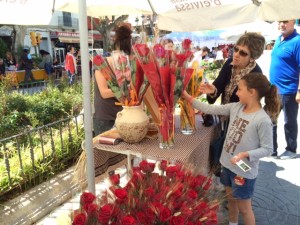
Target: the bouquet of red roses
pixel 124 77
pixel 168 77
pixel 173 196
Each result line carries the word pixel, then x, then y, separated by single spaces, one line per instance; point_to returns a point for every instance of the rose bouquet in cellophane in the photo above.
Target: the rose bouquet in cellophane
pixel 174 195
pixel 168 76
pixel 124 77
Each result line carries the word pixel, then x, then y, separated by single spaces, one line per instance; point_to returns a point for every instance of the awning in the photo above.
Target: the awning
pixel 73 40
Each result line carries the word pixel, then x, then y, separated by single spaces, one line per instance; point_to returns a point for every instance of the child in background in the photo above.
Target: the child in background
pixel 248 139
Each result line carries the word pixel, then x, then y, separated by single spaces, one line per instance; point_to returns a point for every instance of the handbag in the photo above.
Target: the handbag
pixel 216 147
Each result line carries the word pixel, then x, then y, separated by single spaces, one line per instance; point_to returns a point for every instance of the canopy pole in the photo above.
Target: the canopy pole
pixel 86 84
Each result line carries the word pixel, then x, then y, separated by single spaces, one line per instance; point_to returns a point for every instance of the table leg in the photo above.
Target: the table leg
pixel 129 163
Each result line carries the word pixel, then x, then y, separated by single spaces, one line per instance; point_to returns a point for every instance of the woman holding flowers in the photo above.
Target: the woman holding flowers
pixel 106 104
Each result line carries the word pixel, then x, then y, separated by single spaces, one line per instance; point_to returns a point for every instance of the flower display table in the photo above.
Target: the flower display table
pixel 193 149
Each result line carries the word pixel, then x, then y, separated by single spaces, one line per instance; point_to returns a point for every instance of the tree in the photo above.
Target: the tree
pixel 105 27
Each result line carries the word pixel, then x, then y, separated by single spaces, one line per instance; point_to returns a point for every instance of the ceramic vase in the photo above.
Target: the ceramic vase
pixel 132 123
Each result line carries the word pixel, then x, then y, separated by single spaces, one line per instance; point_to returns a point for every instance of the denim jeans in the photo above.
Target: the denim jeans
pixel 71 78
pixel 290 112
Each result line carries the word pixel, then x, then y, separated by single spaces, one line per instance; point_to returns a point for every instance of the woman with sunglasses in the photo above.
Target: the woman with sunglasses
pixel 247 49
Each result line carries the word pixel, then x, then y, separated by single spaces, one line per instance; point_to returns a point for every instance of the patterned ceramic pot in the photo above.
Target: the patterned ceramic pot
pixel 132 123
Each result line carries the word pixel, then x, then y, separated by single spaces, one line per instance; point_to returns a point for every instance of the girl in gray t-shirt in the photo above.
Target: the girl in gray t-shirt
pixel 249 138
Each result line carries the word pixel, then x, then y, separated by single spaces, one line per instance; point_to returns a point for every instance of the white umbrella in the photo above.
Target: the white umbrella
pixel 191 15
pixel 268 30
pixel 29 12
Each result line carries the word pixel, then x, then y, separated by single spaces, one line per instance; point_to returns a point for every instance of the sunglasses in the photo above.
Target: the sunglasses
pixel 240 51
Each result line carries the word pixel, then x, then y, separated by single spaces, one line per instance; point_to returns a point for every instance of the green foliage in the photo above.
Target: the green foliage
pixel 3 48
pixel 19 111
pixel 45 165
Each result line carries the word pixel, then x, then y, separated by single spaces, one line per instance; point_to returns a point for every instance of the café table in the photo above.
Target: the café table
pixel 192 149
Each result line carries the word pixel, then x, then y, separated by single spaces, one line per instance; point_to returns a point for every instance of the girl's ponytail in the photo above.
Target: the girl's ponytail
pixel 272 103
pixel 260 83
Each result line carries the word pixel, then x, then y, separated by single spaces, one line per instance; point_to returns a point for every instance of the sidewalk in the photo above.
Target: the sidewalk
pixel 276 199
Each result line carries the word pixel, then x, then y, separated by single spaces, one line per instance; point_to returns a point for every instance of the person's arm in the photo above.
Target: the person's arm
pixel 207 108
pixel 220 82
pixel 102 85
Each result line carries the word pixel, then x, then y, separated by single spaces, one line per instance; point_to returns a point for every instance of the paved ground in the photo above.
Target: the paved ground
pixel 276 200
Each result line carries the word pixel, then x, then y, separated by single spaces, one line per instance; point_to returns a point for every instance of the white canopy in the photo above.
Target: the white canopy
pixel 29 12
pixel 191 15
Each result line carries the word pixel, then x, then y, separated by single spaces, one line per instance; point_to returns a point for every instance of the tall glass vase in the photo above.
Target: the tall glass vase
pixel 187 118
pixel 166 128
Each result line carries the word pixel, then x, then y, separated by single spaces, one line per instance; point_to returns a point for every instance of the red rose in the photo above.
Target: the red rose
pixel 98 60
pixel 171 171
pixel 79 219
pixel 121 194
pixel 212 217
pixel 159 51
pixel 163 165
pixel 87 198
pixel 115 179
pixel 150 216
pixel 142 49
pixel 192 194
pixel 92 209
pixel 105 213
pixel 147 167
pixel 177 220
pixel 149 192
pixel 189 223
pixel 128 220
pixel 164 214
pixel 141 216
pixel 198 223
pixel 186 43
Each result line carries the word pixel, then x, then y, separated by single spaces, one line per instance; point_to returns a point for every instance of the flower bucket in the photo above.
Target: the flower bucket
pixel 187 118
pixel 166 128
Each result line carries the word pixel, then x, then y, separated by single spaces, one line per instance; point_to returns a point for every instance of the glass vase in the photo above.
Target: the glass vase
pixel 187 118
pixel 166 128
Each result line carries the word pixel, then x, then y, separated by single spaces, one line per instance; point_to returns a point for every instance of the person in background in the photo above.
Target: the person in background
pixel 168 44
pixel 10 61
pixel 70 64
pixel 249 138
pixel 46 63
pixel 104 99
pixel 219 56
pixel 284 73
pixel 27 65
pixel 247 49
pixel 2 67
